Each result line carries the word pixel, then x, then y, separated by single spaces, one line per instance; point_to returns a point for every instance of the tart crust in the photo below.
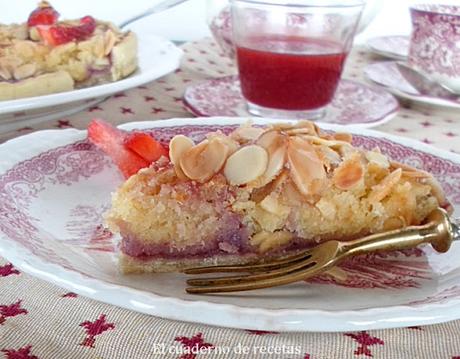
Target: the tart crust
pixel 59 81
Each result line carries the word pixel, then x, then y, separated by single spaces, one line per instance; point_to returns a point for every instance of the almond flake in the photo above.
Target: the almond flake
pixel 201 162
pixel 384 188
pixel 275 145
pixel 246 165
pixel 177 146
pixel 348 174
pixel 306 168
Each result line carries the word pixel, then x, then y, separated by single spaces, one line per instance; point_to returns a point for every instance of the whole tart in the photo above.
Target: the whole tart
pixel 45 56
pixel 260 193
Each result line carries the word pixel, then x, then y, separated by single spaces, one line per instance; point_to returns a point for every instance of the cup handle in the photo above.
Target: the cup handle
pixel 371 9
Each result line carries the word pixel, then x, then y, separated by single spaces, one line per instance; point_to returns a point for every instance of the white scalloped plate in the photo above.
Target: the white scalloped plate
pixel 55 186
pixel 157 57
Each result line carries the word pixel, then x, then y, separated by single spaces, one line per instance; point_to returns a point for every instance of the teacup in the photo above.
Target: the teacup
pixel 220 22
pixel 435 43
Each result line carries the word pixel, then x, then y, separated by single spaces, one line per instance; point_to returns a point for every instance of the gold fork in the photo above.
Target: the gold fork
pixel 439 230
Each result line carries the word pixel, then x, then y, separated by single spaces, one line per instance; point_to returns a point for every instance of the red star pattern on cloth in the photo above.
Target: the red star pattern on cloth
pixel 451 134
pixel 142 87
pixel 94 108
pixel 260 332
pixel 12 310
pixel 120 94
pixel 456 357
pixel 365 341
pixel 69 295
pixel 427 141
pixel 149 98
pixel 125 110
pixel 157 110
pixel 307 356
pixel 27 128
pixel 22 353
pixel 426 124
pixel 193 345
pixel 401 129
pixel 63 124
pixel 93 329
pixel 7 270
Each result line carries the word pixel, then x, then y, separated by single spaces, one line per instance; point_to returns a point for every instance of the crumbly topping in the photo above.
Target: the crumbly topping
pixel 312 161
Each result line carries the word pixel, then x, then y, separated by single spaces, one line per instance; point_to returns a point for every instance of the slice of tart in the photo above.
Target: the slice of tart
pixel 260 193
pixel 45 56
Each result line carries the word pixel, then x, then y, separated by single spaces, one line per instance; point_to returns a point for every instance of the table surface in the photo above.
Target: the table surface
pixel 39 320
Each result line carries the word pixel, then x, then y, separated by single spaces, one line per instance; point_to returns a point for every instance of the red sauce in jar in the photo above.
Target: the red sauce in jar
pixel 289 73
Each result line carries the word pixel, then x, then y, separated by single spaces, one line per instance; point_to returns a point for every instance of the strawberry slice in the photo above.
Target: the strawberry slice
pixel 44 14
pixel 145 146
pixel 111 140
pixel 61 34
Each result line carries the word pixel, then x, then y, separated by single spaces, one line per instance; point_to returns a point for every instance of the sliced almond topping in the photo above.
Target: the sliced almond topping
pixel 416 174
pixel 326 142
pixel 275 144
pixel 201 162
pixel 377 158
pixel 246 165
pixel 229 142
pixel 409 171
pixel 329 157
pixel 258 194
pixel 348 174
pixel 344 137
pixel 177 146
pixel 306 168
pixel 245 134
pixel 384 188
pixel 303 126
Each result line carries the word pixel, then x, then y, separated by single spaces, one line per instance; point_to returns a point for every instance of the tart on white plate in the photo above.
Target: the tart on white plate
pixel 253 195
pixel 46 55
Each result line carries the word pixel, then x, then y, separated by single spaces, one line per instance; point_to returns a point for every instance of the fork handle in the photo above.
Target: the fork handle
pixel 439 231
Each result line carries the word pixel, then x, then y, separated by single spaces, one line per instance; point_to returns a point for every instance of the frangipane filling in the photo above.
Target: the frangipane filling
pixel 262 193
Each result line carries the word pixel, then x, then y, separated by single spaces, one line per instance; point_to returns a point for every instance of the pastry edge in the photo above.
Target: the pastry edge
pixel 132 265
pixel 45 84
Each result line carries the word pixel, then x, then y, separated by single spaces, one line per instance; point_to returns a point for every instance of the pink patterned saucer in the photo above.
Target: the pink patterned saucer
pixel 393 47
pixel 354 103
pixel 386 74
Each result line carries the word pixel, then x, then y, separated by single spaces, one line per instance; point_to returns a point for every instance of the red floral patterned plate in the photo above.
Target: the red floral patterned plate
pixel 354 103
pixel 386 74
pixel 55 187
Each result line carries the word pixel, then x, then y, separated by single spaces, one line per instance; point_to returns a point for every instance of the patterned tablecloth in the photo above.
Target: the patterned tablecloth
pixel 39 320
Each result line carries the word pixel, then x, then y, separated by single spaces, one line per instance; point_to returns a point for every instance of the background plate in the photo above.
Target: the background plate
pixel 157 57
